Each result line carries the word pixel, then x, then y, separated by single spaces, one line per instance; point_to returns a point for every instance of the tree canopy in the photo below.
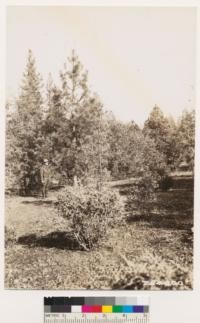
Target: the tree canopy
pixel 67 124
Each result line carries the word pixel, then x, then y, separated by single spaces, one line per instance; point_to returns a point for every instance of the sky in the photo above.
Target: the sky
pixel 136 57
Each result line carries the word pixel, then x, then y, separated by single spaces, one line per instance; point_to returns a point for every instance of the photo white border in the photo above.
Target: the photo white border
pixel 166 306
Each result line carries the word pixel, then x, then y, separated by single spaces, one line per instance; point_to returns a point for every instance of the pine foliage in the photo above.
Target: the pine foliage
pixel 24 129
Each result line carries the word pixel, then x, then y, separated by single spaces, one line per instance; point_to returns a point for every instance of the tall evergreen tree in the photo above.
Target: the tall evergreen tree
pixel 56 132
pixel 75 123
pixel 25 128
pixel 132 153
pixel 162 131
pixel 185 139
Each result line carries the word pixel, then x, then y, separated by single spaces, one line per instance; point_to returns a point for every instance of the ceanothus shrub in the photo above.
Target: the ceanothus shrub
pixel 90 212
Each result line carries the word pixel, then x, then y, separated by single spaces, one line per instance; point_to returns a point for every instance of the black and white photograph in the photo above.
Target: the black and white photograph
pixel 100 146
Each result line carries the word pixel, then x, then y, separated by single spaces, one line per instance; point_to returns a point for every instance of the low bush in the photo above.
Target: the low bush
pixel 10 237
pixel 166 183
pixel 152 275
pixel 90 212
pixel 141 196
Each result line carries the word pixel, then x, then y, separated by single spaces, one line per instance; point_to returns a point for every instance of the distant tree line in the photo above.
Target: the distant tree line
pixel 68 125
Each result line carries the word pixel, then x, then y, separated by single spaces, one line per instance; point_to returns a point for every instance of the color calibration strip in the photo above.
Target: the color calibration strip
pixel 96 309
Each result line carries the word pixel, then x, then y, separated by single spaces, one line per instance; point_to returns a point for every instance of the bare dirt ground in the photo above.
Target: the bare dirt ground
pixel 144 253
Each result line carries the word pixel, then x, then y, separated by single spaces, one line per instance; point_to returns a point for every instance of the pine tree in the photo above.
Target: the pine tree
pixel 83 114
pixel 25 128
pixel 56 133
pixel 185 139
pixel 162 131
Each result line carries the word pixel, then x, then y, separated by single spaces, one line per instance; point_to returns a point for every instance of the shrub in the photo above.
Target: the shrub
pixel 152 275
pixel 90 212
pixel 10 236
pixel 142 195
pixel 166 183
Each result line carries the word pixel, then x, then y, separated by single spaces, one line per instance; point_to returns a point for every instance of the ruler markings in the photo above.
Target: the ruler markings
pixel 97 310
pixel 66 318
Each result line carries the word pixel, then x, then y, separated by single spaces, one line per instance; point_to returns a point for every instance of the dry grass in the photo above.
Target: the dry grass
pixel 145 253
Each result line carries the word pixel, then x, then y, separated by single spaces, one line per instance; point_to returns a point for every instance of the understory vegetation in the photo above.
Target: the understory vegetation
pixel 144 252
pixel 89 213
pixel 68 125
pixel 92 232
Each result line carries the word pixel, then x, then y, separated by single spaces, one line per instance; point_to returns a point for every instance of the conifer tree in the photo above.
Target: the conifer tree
pixel 185 139
pixel 25 129
pixel 78 130
pixel 162 131
pixel 55 129
pixel 132 154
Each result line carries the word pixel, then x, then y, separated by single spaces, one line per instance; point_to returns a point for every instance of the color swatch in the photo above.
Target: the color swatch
pixel 94 305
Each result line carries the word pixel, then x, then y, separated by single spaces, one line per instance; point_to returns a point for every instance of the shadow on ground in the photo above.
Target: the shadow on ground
pixel 57 239
pixel 174 211
pixel 39 202
pixel 154 220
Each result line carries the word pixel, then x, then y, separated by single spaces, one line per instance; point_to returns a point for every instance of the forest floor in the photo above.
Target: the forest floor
pixel 149 253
